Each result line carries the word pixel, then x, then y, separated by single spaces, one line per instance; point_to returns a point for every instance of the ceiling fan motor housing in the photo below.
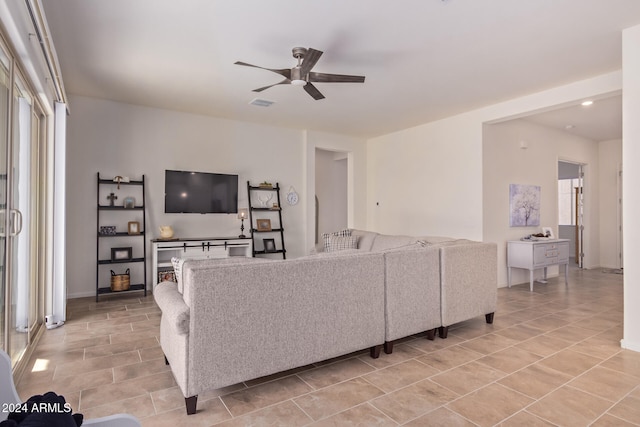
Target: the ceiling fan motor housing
pixel 299 52
pixel 296 74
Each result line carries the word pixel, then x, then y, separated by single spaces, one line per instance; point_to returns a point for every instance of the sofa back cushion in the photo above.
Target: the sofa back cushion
pixel 365 239
pixel 190 264
pixel 435 240
pixel 383 242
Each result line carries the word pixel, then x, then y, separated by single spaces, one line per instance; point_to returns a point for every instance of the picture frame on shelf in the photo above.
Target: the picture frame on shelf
pixel 548 232
pixel 121 254
pixel 269 245
pixel 166 276
pixel 263 224
pixel 133 227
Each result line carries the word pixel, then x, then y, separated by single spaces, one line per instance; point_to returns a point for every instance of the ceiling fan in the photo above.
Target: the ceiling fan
pixel 301 74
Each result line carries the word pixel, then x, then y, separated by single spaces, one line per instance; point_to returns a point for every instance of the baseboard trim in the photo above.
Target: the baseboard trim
pixel 93 294
pixel 630 345
pixel 81 295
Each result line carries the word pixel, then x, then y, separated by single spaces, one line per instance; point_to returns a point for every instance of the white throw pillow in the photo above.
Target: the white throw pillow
pixel 177 268
pixel 340 243
pixel 327 236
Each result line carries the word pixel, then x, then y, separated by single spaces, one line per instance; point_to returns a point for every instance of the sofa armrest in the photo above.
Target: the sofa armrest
pixel 172 306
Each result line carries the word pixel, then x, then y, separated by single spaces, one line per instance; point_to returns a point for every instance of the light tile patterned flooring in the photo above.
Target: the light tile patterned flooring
pixel 552 357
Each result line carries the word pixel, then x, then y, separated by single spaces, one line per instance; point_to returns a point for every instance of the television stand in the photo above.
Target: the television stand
pixel 195 248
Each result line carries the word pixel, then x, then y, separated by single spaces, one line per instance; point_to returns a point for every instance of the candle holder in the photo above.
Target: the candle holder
pixel 242 214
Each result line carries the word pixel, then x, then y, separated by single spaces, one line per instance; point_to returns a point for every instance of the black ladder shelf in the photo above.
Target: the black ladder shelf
pixel 106 240
pixel 270 215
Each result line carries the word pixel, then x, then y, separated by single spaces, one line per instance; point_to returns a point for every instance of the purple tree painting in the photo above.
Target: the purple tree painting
pixel 525 205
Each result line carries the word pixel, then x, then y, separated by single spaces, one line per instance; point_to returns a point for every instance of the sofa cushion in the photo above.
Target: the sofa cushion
pixel 204 263
pixel 413 245
pixel 340 243
pixel 365 239
pixel 330 254
pixel 177 269
pixel 434 240
pixel 383 242
pixel 326 236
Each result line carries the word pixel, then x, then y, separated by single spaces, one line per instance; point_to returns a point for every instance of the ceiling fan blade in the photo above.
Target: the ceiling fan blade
pixel 284 72
pixel 284 82
pixel 311 57
pixel 313 91
pixel 334 78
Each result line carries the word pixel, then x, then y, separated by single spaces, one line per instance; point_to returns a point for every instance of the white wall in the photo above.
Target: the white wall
pixel 505 163
pixel 331 190
pixel 631 177
pixel 427 180
pixel 610 154
pixel 120 139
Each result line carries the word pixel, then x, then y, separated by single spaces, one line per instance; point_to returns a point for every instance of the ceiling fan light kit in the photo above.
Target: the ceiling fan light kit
pixel 301 74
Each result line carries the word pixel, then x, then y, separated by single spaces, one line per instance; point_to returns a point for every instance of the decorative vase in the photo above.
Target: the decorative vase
pixel 166 232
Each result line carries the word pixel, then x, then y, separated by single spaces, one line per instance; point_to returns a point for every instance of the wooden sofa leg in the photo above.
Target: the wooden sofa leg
pixel 489 317
pixel 388 347
pixel 166 361
pixel 443 331
pixel 191 403
pixel 431 334
pixel 374 351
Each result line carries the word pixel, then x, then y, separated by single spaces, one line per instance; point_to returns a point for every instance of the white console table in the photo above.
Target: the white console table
pixel 532 255
pixel 195 248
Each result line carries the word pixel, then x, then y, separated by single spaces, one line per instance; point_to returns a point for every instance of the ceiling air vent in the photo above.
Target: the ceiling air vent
pixel 261 102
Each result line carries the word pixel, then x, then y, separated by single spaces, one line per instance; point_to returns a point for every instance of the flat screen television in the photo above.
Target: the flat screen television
pixel 200 192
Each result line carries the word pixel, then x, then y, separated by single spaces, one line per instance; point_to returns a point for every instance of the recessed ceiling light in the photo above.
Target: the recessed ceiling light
pixel 587 103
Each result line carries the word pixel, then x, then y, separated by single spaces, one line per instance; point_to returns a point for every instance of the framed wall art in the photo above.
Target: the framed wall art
pixel 263 224
pixel 269 245
pixel 524 205
pixel 134 227
pixel 121 254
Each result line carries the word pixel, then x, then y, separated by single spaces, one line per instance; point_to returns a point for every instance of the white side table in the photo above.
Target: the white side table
pixel 532 255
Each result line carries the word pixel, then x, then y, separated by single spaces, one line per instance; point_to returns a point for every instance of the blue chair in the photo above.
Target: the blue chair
pixel 8 394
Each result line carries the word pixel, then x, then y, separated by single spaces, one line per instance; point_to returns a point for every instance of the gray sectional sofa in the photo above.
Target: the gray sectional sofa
pixel 229 321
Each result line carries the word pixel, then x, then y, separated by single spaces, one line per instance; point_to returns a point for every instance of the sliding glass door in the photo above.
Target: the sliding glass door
pixel 19 222
pixel 21 285
pixel 5 85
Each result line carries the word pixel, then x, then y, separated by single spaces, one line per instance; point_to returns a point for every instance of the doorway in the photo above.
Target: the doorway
pixel 571 208
pixel 331 191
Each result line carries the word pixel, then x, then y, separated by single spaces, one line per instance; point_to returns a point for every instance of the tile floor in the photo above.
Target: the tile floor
pixel 552 357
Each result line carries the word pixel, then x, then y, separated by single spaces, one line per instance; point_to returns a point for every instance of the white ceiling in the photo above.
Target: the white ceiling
pixel 601 121
pixel 423 59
